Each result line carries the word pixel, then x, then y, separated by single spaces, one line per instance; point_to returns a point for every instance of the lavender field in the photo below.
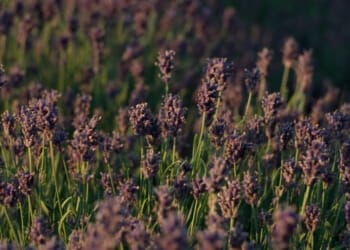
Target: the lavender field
pixel 156 124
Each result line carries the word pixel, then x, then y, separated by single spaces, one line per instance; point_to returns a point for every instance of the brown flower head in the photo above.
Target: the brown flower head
pixel 40 232
pixel 8 124
pixel 312 217
pixel 252 79
pixel 143 122
pixel 229 198
pixel 173 232
pixel 250 187
pixel 150 163
pixel 238 237
pixel 198 187
pixel 271 105
pixel 217 132
pixel 236 148
pixel 289 169
pixel 165 63
pixel 218 169
pixel 290 51
pixel 171 116
pixel 217 72
pixel 165 200
pixel 304 70
pixel 285 221
pixel 314 161
pixel 255 130
pixel 263 62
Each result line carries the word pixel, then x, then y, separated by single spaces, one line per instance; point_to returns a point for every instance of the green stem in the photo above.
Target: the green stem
pixel 306 197
pixel 247 105
pixel 284 88
pixel 174 150
pixel 200 143
pixel 12 229
pixel 30 160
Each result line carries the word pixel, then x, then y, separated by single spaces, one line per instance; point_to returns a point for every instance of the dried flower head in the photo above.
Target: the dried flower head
pixel 198 187
pixel 75 241
pixel 218 169
pixel 306 132
pixel 263 62
pixel 81 109
pixel 206 99
pixel 252 79
pixel 173 233
pixel 150 163
pixel 236 148
pixel 25 182
pixel 271 105
pixel 46 113
pixel 128 191
pixel 112 222
pixel 143 122
pixel 304 71
pixel 338 123
pixel 9 193
pixel 250 187
pixel 238 237
pixel 285 134
pixel 312 217
pixel 137 236
pixel 165 200
pixel 171 116
pixel 255 130
pixel 165 63
pixel 229 198
pixel 217 72
pixel 314 161
pixel 290 51
pixel 217 132
pixel 182 187
pixel 289 169
pixel 40 232
pixel 85 143
pixel 285 221
pixel 8 124
pixel 344 164
pixel 211 239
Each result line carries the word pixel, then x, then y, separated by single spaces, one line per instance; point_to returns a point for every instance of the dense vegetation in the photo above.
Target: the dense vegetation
pixel 146 125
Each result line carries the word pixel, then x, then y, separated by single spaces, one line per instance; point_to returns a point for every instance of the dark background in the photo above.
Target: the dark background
pixel 321 25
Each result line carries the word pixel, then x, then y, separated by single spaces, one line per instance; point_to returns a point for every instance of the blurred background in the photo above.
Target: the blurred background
pixel 322 25
pixel 107 48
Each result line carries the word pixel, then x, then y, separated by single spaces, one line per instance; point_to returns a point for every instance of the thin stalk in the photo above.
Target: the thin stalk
pixel 194 217
pixel 199 143
pixel 247 105
pixel 12 229
pixel 310 241
pixel 232 221
pixel 174 150
pixel 166 89
pixel 284 88
pixel 306 197
pixel 30 159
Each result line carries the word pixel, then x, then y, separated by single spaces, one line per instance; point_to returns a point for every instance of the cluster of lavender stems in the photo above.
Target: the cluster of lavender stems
pixel 105 144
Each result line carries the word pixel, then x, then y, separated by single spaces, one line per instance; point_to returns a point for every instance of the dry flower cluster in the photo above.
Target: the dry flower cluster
pixel 106 144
